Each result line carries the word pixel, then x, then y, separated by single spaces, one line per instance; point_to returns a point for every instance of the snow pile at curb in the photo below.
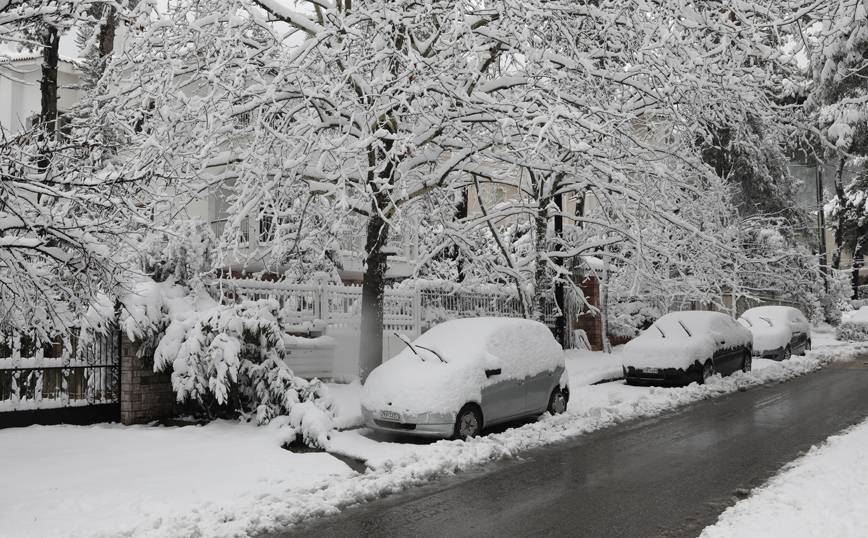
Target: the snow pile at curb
pixel 822 494
pixel 425 463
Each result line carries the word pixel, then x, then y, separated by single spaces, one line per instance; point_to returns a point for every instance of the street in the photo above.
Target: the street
pixel 666 476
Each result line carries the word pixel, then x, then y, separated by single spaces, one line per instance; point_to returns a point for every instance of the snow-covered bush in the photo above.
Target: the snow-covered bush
pixel 830 301
pixel 627 319
pixel 226 360
pixel 852 331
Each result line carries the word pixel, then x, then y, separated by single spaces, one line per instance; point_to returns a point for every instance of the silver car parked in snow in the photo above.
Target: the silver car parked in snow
pixel 465 375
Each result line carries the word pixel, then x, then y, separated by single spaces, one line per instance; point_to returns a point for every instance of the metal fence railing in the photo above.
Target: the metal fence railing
pixel 52 377
pixel 410 311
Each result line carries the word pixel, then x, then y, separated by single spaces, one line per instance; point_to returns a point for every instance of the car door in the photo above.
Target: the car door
pixel 729 354
pixel 800 332
pixel 503 398
pixel 539 388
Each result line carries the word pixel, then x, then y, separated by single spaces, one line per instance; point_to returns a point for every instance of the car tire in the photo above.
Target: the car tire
pixel 746 362
pixel 557 402
pixel 468 422
pixel 787 353
pixel 707 371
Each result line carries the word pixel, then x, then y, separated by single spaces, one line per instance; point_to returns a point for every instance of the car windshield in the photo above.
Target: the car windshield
pixel 424 353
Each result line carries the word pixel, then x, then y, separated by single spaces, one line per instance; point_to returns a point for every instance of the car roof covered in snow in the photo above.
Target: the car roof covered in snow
pixel 776 314
pixel 696 321
pixel 470 339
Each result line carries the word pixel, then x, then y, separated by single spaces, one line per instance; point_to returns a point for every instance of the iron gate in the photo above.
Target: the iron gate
pixel 57 383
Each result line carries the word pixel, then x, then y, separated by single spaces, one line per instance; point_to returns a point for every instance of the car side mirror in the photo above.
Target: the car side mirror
pixel 493 371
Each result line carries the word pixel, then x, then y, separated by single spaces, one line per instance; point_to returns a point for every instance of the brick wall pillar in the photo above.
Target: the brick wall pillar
pixel 145 394
pixel 590 321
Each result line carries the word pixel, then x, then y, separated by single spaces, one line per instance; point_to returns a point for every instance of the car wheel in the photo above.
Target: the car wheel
pixel 557 402
pixel 746 362
pixel 707 370
pixel 468 423
pixel 787 353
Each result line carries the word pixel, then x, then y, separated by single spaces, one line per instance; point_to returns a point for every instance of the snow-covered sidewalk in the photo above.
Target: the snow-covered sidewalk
pixel 230 479
pixel 824 493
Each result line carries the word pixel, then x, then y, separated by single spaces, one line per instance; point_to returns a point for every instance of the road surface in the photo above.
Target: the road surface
pixel 666 476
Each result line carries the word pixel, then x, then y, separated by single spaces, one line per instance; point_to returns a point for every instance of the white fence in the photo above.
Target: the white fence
pixel 337 310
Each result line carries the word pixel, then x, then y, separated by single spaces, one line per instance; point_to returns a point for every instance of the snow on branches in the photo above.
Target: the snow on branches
pixel 303 117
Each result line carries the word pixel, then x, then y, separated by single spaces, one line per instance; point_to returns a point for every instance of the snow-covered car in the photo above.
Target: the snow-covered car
pixel 683 347
pixel 778 331
pixel 467 374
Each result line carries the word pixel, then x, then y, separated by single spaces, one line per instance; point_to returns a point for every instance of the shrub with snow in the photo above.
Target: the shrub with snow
pixel 628 318
pixel 226 359
pixel 854 329
pixel 850 331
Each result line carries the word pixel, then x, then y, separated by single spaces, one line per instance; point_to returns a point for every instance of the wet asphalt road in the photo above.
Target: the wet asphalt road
pixel 666 476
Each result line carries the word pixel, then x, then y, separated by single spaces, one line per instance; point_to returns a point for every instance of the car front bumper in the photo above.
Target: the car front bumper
pixel 664 376
pixel 434 425
pixel 773 354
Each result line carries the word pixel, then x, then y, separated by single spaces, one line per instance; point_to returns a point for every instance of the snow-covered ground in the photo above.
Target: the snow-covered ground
pixel 824 493
pixel 230 479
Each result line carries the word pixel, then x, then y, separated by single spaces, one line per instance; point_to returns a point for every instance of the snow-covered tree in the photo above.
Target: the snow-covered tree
pixel 839 95
pixel 316 116
pixel 63 215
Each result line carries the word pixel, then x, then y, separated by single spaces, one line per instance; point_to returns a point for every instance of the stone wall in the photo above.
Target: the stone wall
pixel 145 394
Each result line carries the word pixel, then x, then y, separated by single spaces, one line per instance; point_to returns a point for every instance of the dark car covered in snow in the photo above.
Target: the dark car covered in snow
pixel 686 347
pixel 779 332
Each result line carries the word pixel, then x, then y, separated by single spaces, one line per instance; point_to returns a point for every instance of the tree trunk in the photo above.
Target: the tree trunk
pixel 604 305
pixel 839 230
pixel 48 92
pixel 539 288
pixel 561 320
pixel 858 262
pixel 461 213
pixel 107 35
pixel 373 291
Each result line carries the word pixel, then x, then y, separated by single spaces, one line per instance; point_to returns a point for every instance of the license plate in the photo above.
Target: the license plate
pixel 651 370
pixel 390 415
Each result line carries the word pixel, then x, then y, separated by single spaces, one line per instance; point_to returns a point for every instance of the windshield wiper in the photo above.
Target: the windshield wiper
pixel 403 338
pixel 749 322
pixel 685 329
pixel 432 351
pixel 661 330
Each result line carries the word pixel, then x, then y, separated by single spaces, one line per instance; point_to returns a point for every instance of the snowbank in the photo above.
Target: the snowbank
pixel 74 481
pixel 821 494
